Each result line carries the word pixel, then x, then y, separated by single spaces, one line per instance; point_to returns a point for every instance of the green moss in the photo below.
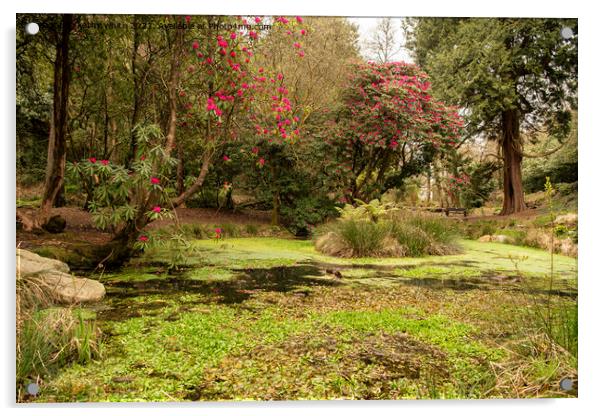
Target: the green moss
pixel 314 341
pixel 70 256
pixel 439 272
pixel 209 273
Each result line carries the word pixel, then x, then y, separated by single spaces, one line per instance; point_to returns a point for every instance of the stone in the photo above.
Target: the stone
pixel 502 239
pixel 69 289
pixel 566 219
pixel 568 247
pixel 58 282
pixel 31 263
pixel 496 239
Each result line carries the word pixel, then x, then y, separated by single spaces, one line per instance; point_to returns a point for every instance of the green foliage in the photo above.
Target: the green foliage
pixel 359 233
pixel 305 212
pixel 421 235
pixel 490 65
pixel 561 166
pixel 481 184
pixel 364 238
pixel 371 211
pixel 251 229
pixel 50 339
pixel 118 195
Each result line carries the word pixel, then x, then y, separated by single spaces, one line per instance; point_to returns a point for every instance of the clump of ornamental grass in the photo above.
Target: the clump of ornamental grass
pixel 381 231
pixel 48 337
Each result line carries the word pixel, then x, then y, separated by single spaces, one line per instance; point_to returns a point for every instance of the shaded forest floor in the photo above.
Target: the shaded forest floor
pixel 80 227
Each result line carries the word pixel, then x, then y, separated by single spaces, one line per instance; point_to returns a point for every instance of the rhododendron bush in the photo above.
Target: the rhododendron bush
pixel 214 91
pixel 390 127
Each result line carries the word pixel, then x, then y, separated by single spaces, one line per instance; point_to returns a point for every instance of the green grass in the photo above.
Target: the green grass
pixel 321 341
pixel 265 252
pixel 51 338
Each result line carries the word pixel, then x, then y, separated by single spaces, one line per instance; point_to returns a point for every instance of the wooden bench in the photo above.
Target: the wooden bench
pixel 463 211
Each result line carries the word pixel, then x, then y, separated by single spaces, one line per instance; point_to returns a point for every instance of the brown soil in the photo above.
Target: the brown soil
pixel 80 228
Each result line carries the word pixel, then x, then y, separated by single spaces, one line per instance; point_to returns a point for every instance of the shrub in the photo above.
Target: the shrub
pixel 230 230
pixel 397 236
pixel 51 338
pixel 301 214
pixel 425 235
pixel 365 238
pixel 415 240
pixel 476 229
pixel 251 229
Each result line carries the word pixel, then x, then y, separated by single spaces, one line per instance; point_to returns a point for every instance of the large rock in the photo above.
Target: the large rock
pixel 566 219
pixel 497 238
pixel 61 285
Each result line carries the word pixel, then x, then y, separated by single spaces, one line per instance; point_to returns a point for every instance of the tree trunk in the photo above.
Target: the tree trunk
pixel 121 246
pixel 275 209
pixel 428 185
pixel 514 198
pixel 136 101
pixel 55 165
pixel 180 169
pixel 198 182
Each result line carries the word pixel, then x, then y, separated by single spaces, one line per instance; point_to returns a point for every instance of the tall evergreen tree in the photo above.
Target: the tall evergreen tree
pixel 511 76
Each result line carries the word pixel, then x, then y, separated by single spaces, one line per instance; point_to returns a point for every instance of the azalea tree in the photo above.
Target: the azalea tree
pixel 312 60
pixel 390 127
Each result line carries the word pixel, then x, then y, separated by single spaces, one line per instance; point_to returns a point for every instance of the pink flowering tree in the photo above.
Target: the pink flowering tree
pixel 213 89
pixel 390 127
pixel 232 102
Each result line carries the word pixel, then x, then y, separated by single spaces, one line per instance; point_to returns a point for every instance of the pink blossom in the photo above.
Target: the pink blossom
pixel 92 160
pixel 104 162
pixel 195 45
pixel 299 19
pixel 232 35
pixel 143 238
pixel 226 158
pixel 155 181
pixel 157 209
pixel 261 161
pixel 211 104
pixel 301 54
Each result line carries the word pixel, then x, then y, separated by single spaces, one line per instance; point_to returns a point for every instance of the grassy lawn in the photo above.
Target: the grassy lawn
pixel 267 318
